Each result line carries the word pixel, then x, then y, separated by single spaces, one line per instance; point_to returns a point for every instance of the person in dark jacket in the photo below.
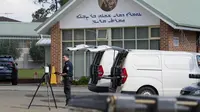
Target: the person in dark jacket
pixel 67 75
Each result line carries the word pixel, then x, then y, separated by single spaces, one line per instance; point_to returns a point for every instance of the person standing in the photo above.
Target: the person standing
pixel 67 75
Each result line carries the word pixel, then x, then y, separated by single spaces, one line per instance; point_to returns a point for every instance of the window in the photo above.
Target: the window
pixel 65 45
pixel 155 32
pixel 127 37
pixel 78 43
pixel 129 44
pixel 91 43
pixel 142 44
pixel 67 34
pixel 79 34
pixel 198 60
pixel 142 33
pixel 117 33
pixel 90 34
pixel 117 43
pixel 102 42
pixel 102 34
pixel 129 33
pixel 155 44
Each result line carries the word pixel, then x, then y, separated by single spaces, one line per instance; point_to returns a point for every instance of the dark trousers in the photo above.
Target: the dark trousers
pixel 67 88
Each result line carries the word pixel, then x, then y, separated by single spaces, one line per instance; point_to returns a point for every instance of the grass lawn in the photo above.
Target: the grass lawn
pixel 29 73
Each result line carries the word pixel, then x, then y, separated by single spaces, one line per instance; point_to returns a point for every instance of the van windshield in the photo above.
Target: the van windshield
pixel 198 60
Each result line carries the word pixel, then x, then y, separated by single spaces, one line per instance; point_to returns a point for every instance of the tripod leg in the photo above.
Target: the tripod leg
pixel 48 96
pixel 53 95
pixel 36 92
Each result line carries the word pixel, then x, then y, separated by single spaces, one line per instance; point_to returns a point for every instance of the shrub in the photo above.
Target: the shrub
pixel 82 81
pixel 37 53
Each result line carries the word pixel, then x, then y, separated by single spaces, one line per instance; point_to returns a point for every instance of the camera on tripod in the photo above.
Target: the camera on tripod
pixel 45 78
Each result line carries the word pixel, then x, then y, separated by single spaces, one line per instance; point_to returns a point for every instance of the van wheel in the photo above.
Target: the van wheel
pixel 147 91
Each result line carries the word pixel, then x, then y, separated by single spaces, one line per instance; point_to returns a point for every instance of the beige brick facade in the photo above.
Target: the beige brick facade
pixel 56 44
pixel 187 39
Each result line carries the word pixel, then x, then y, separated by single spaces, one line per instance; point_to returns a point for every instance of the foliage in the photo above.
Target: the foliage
pixel 82 81
pixel 10 47
pixel 53 6
pixel 40 14
pixel 37 53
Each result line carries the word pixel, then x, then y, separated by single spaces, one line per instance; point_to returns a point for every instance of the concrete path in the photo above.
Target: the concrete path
pixel 18 101
pixel 33 87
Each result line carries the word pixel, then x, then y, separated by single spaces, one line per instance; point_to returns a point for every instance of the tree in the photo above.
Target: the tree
pixel 37 53
pixel 40 15
pixel 53 6
pixel 10 47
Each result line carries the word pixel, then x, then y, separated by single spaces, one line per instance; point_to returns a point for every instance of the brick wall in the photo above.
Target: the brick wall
pixel 165 32
pixel 187 39
pixel 56 44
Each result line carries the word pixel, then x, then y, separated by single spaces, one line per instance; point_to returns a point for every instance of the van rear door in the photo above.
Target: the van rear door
pixel 117 75
pixel 80 47
pixel 96 70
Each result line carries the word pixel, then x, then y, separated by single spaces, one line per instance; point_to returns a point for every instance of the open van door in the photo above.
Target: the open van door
pixel 118 74
pixel 96 70
pixel 80 47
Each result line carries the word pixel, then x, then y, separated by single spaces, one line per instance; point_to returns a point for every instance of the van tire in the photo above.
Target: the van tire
pixel 147 91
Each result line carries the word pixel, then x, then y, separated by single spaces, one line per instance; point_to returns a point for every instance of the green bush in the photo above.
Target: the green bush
pixel 82 81
pixel 37 53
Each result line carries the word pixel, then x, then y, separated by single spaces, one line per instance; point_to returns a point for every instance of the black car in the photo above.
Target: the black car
pixel 8 69
pixel 192 90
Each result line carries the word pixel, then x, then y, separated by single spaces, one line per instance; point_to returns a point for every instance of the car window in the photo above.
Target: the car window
pixel 6 59
pixel 198 60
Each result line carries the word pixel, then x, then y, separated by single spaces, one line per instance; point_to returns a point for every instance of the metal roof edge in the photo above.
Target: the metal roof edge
pixel 41 43
pixel 4 22
pixel 165 18
pixel 54 16
pixel 187 28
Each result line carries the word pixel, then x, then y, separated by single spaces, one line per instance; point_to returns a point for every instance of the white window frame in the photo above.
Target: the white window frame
pixel 101 38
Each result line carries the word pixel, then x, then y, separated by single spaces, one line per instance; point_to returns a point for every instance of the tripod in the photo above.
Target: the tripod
pixel 45 78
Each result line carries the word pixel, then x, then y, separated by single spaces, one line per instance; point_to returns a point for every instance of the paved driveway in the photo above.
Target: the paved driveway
pixel 17 98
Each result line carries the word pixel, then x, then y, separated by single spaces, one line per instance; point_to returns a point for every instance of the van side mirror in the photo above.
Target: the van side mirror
pixel 16 63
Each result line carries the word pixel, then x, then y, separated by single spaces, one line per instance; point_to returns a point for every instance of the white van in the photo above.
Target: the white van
pixel 152 72
pixel 101 65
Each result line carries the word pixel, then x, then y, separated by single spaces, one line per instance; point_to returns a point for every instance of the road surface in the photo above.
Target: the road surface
pixel 17 98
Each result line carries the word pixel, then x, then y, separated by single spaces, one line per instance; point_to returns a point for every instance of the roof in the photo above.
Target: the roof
pixel 40 20
pixel 18 29
pixel 57 16
pixel 44 42
pixel 177 13
pixel 7 19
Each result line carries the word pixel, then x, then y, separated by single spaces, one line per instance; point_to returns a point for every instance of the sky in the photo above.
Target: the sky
pixel 18 9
